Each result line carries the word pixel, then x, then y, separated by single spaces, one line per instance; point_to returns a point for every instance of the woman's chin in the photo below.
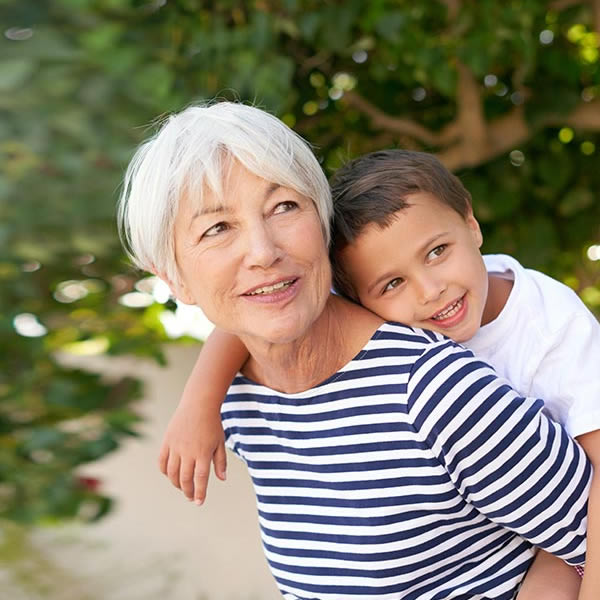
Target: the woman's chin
pixel 284 331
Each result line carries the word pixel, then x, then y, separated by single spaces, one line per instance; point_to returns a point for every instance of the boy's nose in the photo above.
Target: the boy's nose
pixel 430 289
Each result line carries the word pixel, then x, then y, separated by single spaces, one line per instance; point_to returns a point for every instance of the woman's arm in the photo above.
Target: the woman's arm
pixel 550 577
pixel 590 585
pixel 194 435
pixel 505 457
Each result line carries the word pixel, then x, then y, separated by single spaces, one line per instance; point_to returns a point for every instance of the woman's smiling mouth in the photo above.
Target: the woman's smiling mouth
pixel 269 289
pixel 271 293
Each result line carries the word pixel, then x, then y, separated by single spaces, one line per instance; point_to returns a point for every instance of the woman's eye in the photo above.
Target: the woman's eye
pixel 394 283
pixel 216 229
pixel 285 207
pixel 437 251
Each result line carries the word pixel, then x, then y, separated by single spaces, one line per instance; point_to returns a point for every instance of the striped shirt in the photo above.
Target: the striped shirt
pixel 414 472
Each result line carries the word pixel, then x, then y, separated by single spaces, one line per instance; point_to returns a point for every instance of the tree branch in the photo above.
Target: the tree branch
pixel 510 131
pixel 381 120
pixel 585 116
pixel 453 8
pixel 503 134
pixel 471 120
pixel 470 140
pixel 457 149
pixel 559 5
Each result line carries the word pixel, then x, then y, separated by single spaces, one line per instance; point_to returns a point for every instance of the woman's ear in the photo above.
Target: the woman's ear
pixel 181 293
pixel 178 288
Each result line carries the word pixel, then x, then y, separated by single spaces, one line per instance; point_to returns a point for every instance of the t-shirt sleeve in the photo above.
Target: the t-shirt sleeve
pixel 569 375
pixel 229 413
pixel 505 457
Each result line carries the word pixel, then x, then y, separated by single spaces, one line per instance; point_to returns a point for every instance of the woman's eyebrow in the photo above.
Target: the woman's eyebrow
pixel 271 189
pixel 221 208
pixel 206 210
pixel 209 210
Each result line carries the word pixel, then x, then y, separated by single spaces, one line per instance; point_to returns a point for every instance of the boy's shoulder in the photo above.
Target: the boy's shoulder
pixel 544 298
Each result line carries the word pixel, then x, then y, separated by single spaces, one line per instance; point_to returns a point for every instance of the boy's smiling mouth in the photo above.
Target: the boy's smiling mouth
pixel 449 311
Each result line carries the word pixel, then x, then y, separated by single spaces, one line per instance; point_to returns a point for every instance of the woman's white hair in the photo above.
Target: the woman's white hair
pixel 192 152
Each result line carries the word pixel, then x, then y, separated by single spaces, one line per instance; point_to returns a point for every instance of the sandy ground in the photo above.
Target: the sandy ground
pixel 156 545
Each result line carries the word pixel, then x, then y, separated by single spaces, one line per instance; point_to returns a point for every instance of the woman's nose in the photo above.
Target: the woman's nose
pixel 262 249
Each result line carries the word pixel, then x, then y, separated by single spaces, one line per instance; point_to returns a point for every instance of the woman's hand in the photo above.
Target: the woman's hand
pixel 194 438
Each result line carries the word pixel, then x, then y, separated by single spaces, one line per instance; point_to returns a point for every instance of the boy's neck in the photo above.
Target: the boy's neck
pixel 499 290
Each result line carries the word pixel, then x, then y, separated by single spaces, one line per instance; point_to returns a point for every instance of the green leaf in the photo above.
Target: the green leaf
pixel 14 73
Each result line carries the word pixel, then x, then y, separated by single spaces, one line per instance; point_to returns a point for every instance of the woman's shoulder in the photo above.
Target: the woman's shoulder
pixel 388 349
pixel 364 331
pixel 394 330
pixel 365 325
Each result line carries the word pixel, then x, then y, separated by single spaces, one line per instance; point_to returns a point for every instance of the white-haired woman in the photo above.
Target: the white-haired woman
pixel 387 461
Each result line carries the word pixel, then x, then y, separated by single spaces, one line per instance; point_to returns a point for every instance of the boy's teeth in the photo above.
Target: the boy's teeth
pixel 267 289
pixel 449 312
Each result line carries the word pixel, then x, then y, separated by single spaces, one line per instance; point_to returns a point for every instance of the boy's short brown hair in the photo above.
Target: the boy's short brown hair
pixel 374 187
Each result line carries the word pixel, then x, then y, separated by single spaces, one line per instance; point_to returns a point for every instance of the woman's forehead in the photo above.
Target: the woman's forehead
pixel 224 195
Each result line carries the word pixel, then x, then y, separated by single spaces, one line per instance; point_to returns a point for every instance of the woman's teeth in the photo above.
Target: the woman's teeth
pixel 448 312
pixel 269 289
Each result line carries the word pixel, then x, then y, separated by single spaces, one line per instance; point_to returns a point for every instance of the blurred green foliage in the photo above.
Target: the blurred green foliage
pixel 506 93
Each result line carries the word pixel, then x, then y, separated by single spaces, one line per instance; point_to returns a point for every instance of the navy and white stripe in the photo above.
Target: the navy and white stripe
pixel 407 475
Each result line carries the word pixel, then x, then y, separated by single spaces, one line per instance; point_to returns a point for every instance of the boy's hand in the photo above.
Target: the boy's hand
pixel 194 438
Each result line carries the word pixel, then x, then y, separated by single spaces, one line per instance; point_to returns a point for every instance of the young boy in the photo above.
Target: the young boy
pixel 406 246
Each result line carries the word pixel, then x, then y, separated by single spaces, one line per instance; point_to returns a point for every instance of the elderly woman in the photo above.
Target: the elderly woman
pixel 387 462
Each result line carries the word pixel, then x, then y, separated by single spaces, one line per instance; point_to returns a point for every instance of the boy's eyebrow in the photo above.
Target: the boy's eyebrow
pixel 422 248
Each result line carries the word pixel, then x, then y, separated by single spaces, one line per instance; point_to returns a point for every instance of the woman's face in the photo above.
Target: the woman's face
pixel 254 261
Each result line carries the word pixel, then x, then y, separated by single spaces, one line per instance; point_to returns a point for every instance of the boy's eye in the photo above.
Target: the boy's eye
pixel 285 206
pixel 216 229
pixel 394 283
pixel 437 251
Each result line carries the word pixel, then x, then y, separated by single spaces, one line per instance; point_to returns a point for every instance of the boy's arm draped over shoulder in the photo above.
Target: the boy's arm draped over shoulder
pixel 194 436
pixel 506 458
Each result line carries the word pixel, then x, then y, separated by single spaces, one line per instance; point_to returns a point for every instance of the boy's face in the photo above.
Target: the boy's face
pixel 424 270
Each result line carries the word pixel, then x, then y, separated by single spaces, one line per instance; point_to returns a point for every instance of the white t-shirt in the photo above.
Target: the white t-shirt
pixel 546 343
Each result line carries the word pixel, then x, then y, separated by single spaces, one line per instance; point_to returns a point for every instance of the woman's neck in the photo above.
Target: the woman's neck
pixel 339 333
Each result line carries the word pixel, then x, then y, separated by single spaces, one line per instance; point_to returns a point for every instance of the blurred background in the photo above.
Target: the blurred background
pixel 94 355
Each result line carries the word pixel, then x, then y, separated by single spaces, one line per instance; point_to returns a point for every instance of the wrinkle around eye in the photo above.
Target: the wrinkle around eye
pixel 216 227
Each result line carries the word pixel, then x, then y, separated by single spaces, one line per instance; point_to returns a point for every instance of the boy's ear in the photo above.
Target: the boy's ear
pixel 473 225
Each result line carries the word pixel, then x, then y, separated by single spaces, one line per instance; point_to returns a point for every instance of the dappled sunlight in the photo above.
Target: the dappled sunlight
pixel 507 95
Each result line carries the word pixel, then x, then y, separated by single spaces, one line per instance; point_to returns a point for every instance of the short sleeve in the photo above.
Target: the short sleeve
pixel 569 374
